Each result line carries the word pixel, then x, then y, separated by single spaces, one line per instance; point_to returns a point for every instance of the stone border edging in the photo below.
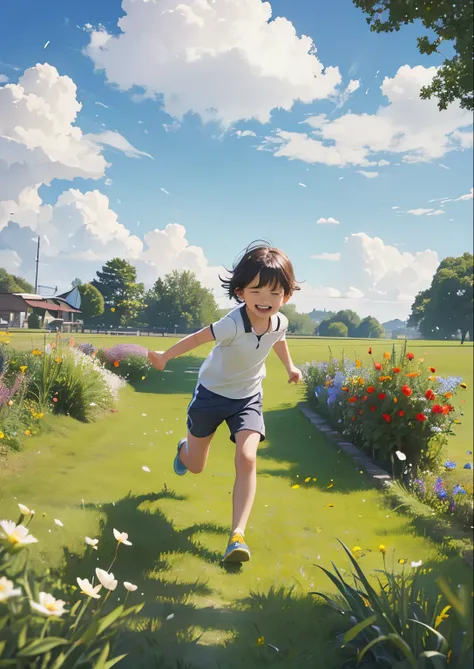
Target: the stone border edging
pixel 378 476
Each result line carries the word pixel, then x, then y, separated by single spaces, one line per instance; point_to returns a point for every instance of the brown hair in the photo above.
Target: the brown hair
pixel 270 264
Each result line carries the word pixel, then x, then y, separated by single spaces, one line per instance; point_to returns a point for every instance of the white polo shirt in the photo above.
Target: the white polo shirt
pixel 235 368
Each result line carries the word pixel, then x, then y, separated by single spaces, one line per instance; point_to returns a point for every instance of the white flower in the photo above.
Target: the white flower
pixel 17 535
pixel 88 589
pixel 107 580
pixel 49 605
pixel 400 455
pixel 58 522
pixel 92 404
pixel 122 538
pixel 146 469
pixel 415 565
pixel 48 349
pixel 129 586
pixel 7 590
pixel 25 511
pixel 92 542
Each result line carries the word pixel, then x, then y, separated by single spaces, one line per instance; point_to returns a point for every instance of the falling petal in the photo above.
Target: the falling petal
pixel 146 469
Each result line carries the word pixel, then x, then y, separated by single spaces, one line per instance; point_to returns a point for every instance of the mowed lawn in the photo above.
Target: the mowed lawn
pixel 91 478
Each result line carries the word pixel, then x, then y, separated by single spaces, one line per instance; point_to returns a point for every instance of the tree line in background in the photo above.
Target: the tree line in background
pixel 179 302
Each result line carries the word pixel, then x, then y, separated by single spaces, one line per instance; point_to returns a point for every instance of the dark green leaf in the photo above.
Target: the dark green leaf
pixel 357 629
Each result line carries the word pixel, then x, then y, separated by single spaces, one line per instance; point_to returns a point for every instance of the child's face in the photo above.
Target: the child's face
pixel 264 301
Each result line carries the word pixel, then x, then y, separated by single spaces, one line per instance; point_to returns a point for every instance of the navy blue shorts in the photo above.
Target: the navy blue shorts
pixel 207 411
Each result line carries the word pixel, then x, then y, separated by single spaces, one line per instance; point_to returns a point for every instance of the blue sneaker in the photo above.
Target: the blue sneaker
pixel 237 550
pixel 179 468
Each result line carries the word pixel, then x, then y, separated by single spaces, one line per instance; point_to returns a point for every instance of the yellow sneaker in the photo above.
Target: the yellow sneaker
pixel 237 550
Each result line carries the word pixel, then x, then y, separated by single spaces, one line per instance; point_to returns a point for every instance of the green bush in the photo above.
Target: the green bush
pixel 34 321
pixel 403 623
pixel 338 330
pixel 133 368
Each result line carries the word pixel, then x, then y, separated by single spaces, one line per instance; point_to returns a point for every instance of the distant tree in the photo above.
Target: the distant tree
pixel 450 22
pixel 9 283
pixel 446 308
pixel 123 296
pixel 34 321
pixel 297 323
pixel 337 329
pixel 180 301
pixel 76 282
pixel 349 318
pixel 92 301
pixel 370 327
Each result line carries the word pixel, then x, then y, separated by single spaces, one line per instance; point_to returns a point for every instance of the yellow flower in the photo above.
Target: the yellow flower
pixel 356 550
pixel 28 433
pixel 330 506
pixel 59 360
pixel 143 378
pixel 2 436
pixel 331 485
pixel 358 364
pixel 23 368
pixel 442 616
pixel 295 487
pixel 36 351
pixel 261 641
pixel 10 403
pixel 395 399
pixel 315 479
pixel 402 561
pixel 382 549
pixel 432 378
pixel 366 602
pixel 387 355
pixel 307 479
pixel 361 381
pixel 112 309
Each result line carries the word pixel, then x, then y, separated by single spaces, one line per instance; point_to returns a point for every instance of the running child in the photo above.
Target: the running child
pixel 229 386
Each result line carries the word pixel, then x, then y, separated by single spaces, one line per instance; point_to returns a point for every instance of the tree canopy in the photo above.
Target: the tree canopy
pixel 123 296
pixel 450 22
pixel 446 307
pixel 338 329
pixel 370 328
pixel 92 301
pixel 297 323
pixel 9 283
pixel 180 301
pixel 350 319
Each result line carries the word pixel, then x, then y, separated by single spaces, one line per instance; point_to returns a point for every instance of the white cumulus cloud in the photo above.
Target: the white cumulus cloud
pixel 3 78
pixel 225 60
pixel 406 125
pixel 327 221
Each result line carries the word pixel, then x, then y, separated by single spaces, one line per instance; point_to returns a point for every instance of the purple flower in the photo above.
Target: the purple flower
pixel 440 489
pixel 468 465
pixel 419 485
pixel 121 351
pixel 458 490
pixel 450 465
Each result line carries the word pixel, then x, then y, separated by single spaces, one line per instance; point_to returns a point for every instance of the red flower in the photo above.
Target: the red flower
pixel 396 370
pixel 387 418
pixel 421 417
pixel 432 370
pixel 372 409
pixel 370 389
pixel 55 399
pixel 365 398
pixel 430 394
pixel 382 396
pixel 445 409
pixel 377 365
pixel 410 356
pixel 352 400
pixel 370 350
pixel 401 413
pixel 451 408
pixel 437 408
pixel 407 391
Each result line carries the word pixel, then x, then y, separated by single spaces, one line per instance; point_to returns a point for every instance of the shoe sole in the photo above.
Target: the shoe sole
pixel 237 555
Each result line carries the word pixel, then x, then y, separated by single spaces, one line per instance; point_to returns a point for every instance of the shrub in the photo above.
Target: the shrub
pixel 403 623
pixel 338 330
pixel 34 321
pixel 398 409
pixel 46 623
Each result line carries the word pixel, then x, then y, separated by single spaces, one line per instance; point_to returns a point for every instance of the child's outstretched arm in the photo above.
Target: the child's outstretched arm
pixel 283 352
pixel 159 359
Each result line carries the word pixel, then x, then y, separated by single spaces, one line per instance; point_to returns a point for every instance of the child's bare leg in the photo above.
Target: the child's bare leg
pixel 194 454
pixel 245 485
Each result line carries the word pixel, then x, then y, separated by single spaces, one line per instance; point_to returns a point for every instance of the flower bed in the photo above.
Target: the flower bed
pixel 56 379
pixel 401 413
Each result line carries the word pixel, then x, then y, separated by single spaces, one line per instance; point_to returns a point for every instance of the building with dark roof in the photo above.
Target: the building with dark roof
pixel 15 307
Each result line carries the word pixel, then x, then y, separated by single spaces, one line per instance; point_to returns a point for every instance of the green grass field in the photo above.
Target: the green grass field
pixel 91 478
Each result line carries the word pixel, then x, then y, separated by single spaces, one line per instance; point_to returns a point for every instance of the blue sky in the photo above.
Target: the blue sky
pixel 226 190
